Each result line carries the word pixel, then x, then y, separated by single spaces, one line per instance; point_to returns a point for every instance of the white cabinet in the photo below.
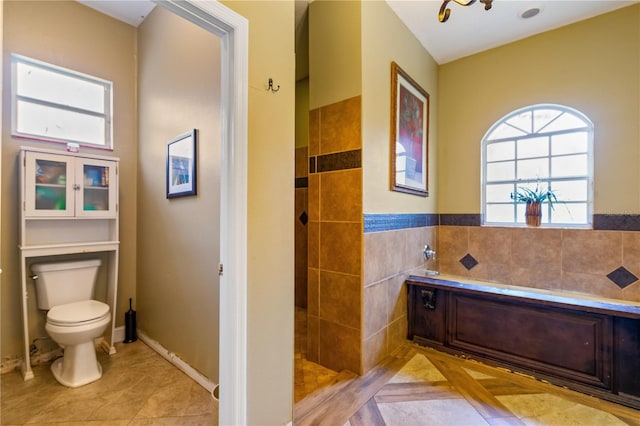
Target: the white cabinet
pixel 65 186
pixel 68 206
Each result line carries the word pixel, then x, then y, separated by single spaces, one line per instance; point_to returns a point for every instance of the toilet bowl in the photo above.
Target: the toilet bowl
pixel 74 327
pixel 74 319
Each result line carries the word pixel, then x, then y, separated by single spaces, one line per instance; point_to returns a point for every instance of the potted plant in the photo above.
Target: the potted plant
pixel 534 199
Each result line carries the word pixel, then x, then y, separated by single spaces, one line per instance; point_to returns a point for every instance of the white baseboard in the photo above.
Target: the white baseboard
pixel 179 363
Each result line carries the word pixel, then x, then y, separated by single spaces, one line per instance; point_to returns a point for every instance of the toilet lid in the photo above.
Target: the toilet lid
pixel 77 312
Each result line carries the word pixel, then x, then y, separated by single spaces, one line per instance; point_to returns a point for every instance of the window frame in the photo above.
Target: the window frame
pixel 107 115
pixel 589 177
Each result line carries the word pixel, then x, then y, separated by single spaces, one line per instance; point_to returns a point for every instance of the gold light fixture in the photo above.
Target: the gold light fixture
pixel 444 13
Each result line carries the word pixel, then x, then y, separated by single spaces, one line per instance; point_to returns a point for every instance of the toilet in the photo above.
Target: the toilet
pixel 74 319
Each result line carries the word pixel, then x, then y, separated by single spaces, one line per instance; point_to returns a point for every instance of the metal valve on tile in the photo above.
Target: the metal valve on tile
pixel 428 253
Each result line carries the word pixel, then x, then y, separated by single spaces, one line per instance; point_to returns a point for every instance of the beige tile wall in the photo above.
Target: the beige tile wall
pixel 335 241
pixel 569 260
pixel 389 257
pixel 300 228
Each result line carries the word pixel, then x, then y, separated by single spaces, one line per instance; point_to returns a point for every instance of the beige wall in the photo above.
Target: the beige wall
pixel 76 37
pixel 592 66
pixel 335 63
pixel 270 243
pixel 178 239
pixel 382 35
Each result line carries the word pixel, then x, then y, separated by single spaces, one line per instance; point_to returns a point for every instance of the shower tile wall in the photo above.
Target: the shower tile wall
pixel 300 226
pixel 335 236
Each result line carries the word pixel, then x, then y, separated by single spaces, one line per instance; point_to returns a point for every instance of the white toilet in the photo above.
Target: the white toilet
pixel 74 320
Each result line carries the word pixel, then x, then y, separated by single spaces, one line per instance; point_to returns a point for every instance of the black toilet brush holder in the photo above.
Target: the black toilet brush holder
pixel 130 325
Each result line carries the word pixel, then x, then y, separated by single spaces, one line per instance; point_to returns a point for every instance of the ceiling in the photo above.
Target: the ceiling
pixel 469 29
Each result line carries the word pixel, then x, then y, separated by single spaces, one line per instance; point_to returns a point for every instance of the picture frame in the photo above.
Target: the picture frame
pixel 182 165
pixel 409 134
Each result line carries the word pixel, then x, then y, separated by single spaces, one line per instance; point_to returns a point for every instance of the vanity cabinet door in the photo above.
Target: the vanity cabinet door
pixel 49 185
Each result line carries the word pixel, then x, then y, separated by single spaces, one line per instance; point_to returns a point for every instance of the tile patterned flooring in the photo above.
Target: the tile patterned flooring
pixel 416 386
pixel 138 387
pixel 421 386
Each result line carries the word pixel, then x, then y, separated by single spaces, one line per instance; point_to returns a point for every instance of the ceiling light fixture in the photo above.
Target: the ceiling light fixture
pixel 444 13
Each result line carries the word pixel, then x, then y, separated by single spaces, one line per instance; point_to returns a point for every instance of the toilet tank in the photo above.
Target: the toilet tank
pixel 58 283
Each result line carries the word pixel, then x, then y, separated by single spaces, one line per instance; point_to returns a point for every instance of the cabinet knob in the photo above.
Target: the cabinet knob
pixel 76 187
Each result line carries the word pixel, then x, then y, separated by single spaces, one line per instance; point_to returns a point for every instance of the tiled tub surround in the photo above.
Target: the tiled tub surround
pixel 594 262
pixel 599 263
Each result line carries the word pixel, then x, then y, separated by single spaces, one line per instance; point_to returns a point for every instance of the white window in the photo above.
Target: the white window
pixel 549 146
pixel 55 104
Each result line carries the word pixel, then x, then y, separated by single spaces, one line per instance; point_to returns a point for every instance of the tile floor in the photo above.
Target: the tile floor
pixel 419 386
pixel 138 387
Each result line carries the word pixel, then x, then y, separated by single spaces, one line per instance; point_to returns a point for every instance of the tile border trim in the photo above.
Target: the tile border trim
pixel 336 161
pixel 374 222
pixel 616 222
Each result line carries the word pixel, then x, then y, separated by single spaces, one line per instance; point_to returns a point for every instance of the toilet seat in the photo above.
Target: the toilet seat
pixel 78 313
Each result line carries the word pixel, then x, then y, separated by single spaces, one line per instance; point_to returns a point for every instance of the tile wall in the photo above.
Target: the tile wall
pixel 300 226
pixel 335 236
pixel 603 263
pixel 389 257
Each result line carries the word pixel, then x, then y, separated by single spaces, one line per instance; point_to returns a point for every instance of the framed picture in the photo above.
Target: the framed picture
pixel 409 134
pixel 181 165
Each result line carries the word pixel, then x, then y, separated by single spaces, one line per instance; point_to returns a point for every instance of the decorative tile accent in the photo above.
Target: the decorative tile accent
pixel 622 277
pixel 340 161
pixel 303 218
pixel 460 219
pixel 390 222
pixel 468 262
pixel 616 222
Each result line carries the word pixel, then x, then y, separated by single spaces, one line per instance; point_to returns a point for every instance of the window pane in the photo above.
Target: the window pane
pixel 571 165
pixel 542 117
pixel 499 213
pixel 533 147
pixel 504 131
pixel 501 151
pixel 500 171
pixel 566 121
pixel 48 85
pixel 569 143
pixel 499 193
pixel 59 124
pixel 570 213
pixel 533 169
pixel 522 121
pixel 575 190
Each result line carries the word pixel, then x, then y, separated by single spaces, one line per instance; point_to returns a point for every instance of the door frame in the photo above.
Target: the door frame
pixel 233 31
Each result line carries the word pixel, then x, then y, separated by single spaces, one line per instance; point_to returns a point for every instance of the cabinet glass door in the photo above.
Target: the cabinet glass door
pixel 49 181
pixel 98 182
pixel 51 185
pixel 96 187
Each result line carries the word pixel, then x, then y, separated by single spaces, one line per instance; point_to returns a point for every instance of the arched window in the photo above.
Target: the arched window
pixel 544 146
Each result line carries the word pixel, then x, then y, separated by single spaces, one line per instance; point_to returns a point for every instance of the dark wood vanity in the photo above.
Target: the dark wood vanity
pixel 586 344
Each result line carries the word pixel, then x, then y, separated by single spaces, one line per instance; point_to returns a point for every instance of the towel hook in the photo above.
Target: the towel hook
pixel 271 86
